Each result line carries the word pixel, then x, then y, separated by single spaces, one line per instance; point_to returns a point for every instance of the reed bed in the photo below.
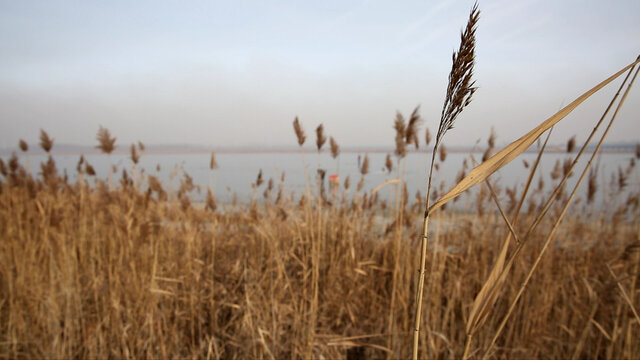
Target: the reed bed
pixel 137 271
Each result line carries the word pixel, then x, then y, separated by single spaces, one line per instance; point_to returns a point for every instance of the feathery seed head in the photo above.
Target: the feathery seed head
pixel 400 127
pixel 411 132
pixel 388 164
pixel 320 138
pixel 335 149
pixel 80 163
pixel 211 201
pixel 46 142
pixel 364 169
pixel 259 179
pixel 89 169
pixel 23 145
pixel 443 153
pixel 134 154
pixel 491 141
pixel 461 87
pixel 360 184
pixel 299 131
pixel 592 185
pixel 212 163
pixel 571 144
pixel 105 142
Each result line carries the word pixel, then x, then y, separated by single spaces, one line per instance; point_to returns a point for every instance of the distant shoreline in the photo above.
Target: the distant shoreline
pixel 88 151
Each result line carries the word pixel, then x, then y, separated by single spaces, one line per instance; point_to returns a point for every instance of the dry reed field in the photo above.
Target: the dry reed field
pixel 123 267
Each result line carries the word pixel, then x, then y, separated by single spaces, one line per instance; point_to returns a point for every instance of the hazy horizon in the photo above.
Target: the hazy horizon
pixel 236 74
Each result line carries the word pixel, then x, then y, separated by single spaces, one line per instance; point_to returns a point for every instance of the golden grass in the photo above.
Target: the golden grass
pixel 90 272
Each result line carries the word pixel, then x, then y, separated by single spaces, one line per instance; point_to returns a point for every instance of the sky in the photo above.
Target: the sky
pixel 236 73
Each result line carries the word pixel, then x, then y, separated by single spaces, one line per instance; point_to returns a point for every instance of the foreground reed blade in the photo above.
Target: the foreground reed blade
pixel 511 151
pixel 564 210
pixel 489 291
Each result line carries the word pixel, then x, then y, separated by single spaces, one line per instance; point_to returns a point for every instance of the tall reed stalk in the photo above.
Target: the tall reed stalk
pixel 459 94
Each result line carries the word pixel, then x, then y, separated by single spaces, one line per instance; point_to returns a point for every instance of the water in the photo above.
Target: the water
pixel 237 171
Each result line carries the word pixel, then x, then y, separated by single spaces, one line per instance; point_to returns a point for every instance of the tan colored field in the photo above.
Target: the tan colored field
pixel 90 272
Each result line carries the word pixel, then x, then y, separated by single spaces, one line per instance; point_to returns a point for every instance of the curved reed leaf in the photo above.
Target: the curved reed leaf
pixel 513 150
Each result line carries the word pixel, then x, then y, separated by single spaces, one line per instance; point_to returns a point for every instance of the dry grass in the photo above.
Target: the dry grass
pixel 90 272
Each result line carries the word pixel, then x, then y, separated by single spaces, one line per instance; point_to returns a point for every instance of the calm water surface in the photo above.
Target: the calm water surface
pixel 237 171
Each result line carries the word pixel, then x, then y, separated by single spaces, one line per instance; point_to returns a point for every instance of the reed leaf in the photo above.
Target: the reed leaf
pixel 513 150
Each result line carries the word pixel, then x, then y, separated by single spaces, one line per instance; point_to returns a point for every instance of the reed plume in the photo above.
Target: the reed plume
pixel 106 143
pixel 299 131
pixel 364 169
pixel 491 141
pixel 79 164
pixel 14 163
pixel 388 164
pixel 335 149
pixel 592 187
pixel 134 154
pixel 360 184
pixel 571 144
pixel 46 142
pixel 212 162
pixel 556 173
pixel 566 167
pixel 141 146
pixel 48 169
pixel 427 136
pixel 461 85
pixel 347 182
pixel 320 138
pixel 622 179
pixel 411 131
pixel 23 145
pixel 89 169
pixel 638 151
pixel 400 128
pixel 443 153
pixel 259 179
pixel 211 201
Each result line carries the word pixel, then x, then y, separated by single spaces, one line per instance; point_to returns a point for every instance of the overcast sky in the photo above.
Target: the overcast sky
pixel 238 72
